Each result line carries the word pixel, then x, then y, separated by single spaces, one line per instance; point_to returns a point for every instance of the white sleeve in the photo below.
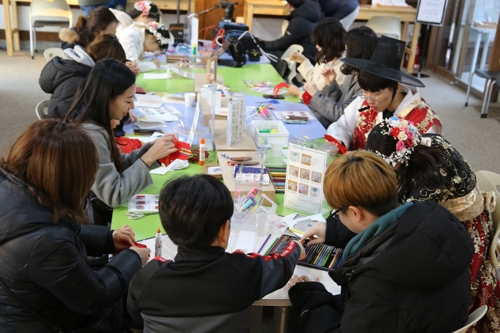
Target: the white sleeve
pixel 435 129
pixel 131 43
pixel 306 69
pixel 343 129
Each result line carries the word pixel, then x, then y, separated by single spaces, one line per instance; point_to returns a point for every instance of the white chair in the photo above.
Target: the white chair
pixel 389 26
pixel 490 181
pixel 474 317
pixel 52 52
pixel 42 109
pixel 291 64
pixel 44 13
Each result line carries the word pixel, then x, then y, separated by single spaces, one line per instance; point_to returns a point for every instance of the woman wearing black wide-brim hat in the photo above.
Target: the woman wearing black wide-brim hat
pixel 387 91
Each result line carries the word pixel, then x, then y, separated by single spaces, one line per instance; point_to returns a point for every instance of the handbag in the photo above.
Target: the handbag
pixel 109 320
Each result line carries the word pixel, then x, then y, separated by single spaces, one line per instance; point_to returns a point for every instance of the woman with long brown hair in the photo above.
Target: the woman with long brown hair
pixel 108 95
pixel 45 237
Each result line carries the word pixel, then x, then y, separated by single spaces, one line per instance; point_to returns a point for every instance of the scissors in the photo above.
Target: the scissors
pixel 138 215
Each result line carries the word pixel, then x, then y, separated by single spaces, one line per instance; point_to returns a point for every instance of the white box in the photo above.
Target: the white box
pixel 265 139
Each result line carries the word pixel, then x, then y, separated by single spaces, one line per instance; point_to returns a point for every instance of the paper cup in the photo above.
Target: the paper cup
pixel 189 99
pixel 276 148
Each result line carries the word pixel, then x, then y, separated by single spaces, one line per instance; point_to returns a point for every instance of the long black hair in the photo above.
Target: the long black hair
pixel 153 13
pixel 360 43
pixel 425 165
pixel 329 34
pixel 108 79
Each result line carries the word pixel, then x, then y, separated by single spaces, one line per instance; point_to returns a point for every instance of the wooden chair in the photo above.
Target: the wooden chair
pixel 474 317
pixel 490 181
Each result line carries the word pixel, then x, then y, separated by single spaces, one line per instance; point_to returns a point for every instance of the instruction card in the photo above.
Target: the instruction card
pixel 304 179
pixel 143 203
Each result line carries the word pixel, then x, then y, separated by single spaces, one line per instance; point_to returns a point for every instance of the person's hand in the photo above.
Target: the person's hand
pixel 302 254
pixel 311 88
pixel 143 253
pixel 133 67
pixel 297 57
pixel 318 230
pixel 114 123
pixel 156 62
pixel 160 148
pixel 334 149
pixel 293 90
pixel 157 52
pixel 329 74
pixel 298 279
pixel 123 238
pixel 131 116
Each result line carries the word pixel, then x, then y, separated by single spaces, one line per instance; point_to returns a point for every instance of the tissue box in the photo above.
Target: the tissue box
pixel 265 138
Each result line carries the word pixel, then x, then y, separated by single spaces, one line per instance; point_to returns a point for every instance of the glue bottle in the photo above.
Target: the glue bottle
pixel 158 243
pixel 202 151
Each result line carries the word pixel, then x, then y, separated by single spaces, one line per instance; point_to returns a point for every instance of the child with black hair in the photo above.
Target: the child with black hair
pixel 328 36
pixel 204 289
pixel 139 38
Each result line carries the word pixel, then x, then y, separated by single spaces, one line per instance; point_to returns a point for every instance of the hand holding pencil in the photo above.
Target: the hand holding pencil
pixel 316 234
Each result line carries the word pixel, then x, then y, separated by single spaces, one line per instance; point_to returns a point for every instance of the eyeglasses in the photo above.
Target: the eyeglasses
pixel 369 97
pixel 335 214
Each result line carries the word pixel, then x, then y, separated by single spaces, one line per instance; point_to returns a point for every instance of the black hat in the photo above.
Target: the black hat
pixel 386 62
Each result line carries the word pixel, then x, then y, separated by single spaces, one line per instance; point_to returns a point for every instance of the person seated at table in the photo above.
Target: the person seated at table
pixel 61 77
pixel 139 38
pixel 143 11
pixel 108 94
pixel 387 92
pixel 328 103
pixel 429 168
pixel 328 36
pixel 205 289
pixel 303 18
pixel 45 237
pixel 343 10
pixel 406 270
pixel 101 21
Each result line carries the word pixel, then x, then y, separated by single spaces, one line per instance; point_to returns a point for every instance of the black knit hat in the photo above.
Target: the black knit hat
pixel 386 62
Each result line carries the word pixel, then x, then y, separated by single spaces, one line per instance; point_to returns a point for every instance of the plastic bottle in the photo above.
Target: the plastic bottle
pixel 202 151
pixel 158 243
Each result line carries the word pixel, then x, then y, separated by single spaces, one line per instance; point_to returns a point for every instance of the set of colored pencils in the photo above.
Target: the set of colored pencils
pixel 317 256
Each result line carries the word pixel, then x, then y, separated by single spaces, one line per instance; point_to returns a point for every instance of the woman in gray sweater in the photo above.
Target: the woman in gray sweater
pixel 108 95
pixel 329 103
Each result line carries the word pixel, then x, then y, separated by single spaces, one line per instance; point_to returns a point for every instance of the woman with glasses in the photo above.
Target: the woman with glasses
pixel 387 92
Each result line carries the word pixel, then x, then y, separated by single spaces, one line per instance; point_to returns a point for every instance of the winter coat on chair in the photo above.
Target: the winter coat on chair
pixel 61 77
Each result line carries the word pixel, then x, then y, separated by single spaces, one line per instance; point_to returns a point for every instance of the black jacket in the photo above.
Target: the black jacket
pixel 412 277
pixel 61 78
pixel 337 8
pixel 45 264
pixel 206 290
pixel 303 20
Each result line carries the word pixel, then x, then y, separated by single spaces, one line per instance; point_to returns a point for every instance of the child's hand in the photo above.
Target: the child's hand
pixel 329 74
pixel 298 279
pixel 311 88
pixel 297 57
pixel 131 116
pixel 114 123
pixel 143 253
pixel 302 250
pixel 133 67
pixel 293 90
pixel 156 62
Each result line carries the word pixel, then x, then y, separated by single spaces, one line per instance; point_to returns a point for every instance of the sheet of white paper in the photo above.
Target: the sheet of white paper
pixel 159 171
pixel 156 76
pixel 291 221
pixel 245 241
pixel 146 139
pixel 148 101
pixel 149 125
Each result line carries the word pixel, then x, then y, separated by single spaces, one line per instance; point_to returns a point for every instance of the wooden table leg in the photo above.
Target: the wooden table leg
pixel 280 319
pixel 8 29
pixel 255 319
pixel 15 25
pixel 249 16
pixel 413 48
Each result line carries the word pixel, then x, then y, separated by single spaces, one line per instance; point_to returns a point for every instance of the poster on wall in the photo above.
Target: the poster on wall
pixel 304 179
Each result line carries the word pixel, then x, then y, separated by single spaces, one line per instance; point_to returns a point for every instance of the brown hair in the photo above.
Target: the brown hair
pixel 89 28
pixel 58 162
pixel 106 46
pixel 361 178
